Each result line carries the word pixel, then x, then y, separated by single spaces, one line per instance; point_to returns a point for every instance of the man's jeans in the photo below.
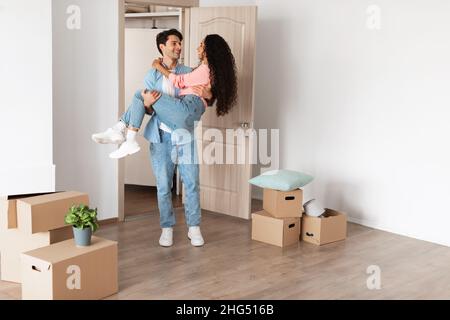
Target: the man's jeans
pixel 177 114
pixel 164 157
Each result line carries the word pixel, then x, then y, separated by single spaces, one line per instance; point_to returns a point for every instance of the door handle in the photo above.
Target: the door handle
pixel 245 125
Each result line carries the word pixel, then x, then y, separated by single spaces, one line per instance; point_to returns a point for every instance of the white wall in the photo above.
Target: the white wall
pixel 365 111
pixel 26 159
pixel 85 68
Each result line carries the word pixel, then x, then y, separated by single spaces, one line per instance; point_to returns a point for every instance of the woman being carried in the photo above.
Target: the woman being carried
pixel 217 70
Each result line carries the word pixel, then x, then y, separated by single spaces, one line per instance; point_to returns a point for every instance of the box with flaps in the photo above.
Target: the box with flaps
pixel 65 271
pixel 277 231
pixel 8 211
pixel 283 204
pixel 330 227
pixel 13 243
pixel 47 212
pixel 8 215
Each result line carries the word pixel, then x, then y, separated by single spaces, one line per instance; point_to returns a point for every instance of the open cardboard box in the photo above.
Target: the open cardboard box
pixel 47 212
pixel 330 227
pixel 8 211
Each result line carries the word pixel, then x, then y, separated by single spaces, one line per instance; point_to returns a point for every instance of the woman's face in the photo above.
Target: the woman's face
pixel 201 51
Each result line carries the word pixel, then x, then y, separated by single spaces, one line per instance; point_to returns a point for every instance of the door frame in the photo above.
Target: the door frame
pixel 121 74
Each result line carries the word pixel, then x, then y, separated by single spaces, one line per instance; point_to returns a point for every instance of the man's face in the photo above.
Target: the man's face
pixel 172 48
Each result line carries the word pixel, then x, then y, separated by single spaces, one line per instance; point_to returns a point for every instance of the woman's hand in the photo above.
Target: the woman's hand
pixel 150 97
pixel 202 91
pixel 157 63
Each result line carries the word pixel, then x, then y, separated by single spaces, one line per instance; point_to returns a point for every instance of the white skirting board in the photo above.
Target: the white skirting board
pixel 396 230
pixel 26 180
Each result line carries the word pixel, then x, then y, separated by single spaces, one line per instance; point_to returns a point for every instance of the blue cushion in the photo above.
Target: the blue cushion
pixel 283 180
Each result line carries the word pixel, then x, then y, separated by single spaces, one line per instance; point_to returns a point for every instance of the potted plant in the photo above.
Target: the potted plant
pixel 84 222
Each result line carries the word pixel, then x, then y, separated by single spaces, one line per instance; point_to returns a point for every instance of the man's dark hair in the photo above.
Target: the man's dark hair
pixel 162 37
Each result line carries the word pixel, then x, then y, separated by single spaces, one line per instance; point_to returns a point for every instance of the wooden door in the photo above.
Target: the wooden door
pixel 224 186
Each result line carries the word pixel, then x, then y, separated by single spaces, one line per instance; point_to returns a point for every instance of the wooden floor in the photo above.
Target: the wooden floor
pixel 232 266
pixel 143 200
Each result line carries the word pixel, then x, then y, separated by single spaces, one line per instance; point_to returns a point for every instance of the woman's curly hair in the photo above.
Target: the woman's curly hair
pixel 222 73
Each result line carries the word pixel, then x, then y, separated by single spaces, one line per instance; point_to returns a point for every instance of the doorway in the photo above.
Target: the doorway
pixel 143 22
pixel 224 187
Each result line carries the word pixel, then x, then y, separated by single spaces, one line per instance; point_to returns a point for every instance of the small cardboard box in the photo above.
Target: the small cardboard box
pixel 47 212
pixel 283 204
pixel 330 227
pixel 277 231
pixel 65 271
pixel 8 212
pixel 13 243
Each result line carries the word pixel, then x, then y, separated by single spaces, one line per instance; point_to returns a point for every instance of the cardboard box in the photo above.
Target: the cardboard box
pixel 13 243
pixel 283 204
pixel 8 212
pixel 277 231
pixel 331 227
pixel 65 271
pixel 8 215
pixel 47 212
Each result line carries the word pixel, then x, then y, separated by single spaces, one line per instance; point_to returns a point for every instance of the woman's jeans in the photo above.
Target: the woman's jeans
pixel 176 113
pixel 164 157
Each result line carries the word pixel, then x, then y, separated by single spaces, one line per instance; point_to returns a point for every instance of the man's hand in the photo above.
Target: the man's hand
pixel 202 91
pixel 150 97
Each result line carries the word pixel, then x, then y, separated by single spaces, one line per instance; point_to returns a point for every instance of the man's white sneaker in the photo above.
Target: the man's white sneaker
pixel 125 149
pixel 196 236
pixel 166 239
pixel 109 136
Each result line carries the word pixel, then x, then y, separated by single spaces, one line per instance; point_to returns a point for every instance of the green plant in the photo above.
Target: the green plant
pixel 82 217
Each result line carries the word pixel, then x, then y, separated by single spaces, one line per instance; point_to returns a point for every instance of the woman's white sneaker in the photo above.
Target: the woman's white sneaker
pixel 109 136
pixel 166 239
pixel 126 148
pixel 195 235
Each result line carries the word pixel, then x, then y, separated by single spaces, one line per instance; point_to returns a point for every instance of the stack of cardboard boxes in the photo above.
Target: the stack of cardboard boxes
pixel 31 222
pixel 36 243
pixel 282 222
pixel 279 222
